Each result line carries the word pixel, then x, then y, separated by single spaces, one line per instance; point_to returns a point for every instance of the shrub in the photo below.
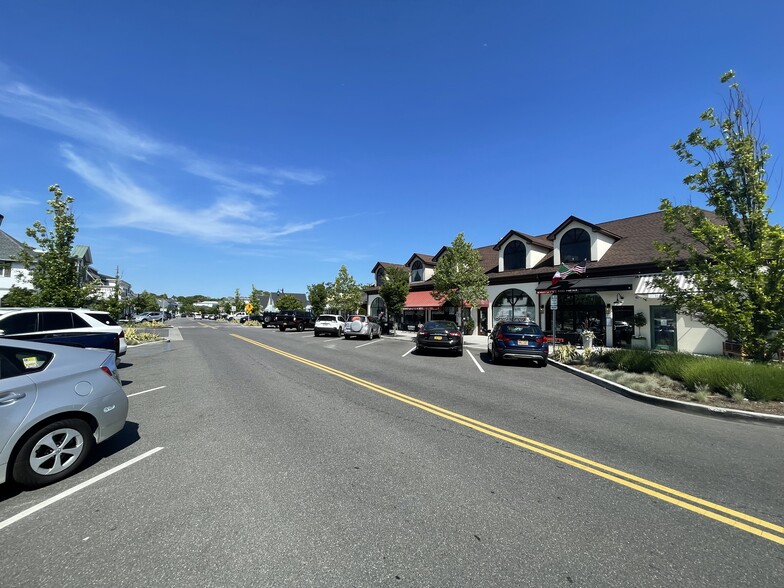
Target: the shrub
pixel 564 353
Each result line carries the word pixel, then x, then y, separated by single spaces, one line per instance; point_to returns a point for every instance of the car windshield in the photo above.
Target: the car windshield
pixel 435 325
pixel 520 329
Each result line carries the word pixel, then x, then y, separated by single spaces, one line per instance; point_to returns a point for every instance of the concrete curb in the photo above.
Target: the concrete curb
pixel 690 407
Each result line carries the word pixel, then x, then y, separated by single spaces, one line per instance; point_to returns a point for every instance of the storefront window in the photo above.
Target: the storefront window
pixel 663 333
pixel 577 312
pixel 377 307
pixel 513 304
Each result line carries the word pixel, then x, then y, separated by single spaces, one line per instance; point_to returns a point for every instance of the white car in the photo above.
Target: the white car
pixel 360 325
pixel 26 321
pixel 332 324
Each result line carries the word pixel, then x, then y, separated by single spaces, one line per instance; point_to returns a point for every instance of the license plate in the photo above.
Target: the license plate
pixel 437 338
pixel 522 342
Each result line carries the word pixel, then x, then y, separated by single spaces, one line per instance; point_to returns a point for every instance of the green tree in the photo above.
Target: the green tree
pixel 54 272
pixel 145 301
pixel 394 291
pixel 345 294
pixel 22 297
pixel 318 295
pixel 459 277
pixel 288 302
pixel 256 298
pixel 237 302
pixel 734 256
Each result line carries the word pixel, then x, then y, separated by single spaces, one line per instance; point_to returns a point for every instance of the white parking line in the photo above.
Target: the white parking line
pixel 145 391
pixel 479 367
pixel 409 351
pixel 365 344
pixel 57 498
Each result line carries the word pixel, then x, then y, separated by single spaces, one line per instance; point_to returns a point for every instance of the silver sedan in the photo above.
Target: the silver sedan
pixel 56 403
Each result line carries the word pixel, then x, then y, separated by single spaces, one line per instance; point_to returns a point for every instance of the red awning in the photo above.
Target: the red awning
pixel 422 300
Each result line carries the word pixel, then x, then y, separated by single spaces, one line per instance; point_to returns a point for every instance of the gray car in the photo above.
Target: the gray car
pixel 360 325
pixel 56 403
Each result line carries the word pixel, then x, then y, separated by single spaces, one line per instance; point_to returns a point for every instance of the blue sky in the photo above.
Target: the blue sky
pixel 215 145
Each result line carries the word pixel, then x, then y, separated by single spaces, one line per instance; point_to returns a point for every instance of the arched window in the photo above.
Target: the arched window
pixel 575 245
pixel 380 275
pixel 513 304
pixel 417 271
pixel 514 256
pixel 377 307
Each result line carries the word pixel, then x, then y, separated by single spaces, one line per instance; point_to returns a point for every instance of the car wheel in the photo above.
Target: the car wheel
pixel 460 352
pixel 300 327
pixel 347 337
pixel 282 328
pixel 53 452
pixel 315 334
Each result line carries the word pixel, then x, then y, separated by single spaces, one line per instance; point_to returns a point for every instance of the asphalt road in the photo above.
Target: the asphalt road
pixel 282 459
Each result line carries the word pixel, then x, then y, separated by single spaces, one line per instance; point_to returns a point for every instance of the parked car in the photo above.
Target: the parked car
pixel 518 340
pixel 332 324
pixel 360 325
pixel 27 321
pixel 56 403
pixel 294 319
pixel 149 317
pixel 444 335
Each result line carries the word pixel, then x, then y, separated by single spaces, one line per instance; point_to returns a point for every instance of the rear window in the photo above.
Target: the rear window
pixel 359 318
pixel 327 317
pixel 521 330
pixel 103 317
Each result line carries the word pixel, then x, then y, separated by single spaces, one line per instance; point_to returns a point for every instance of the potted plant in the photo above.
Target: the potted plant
pixel 639 341
pixel 588 336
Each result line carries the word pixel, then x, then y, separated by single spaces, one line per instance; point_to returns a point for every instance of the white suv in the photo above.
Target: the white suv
pixel 26 321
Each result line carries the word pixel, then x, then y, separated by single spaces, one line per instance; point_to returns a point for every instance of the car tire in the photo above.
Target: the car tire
pixel 460 352
pixel 315 334
pixel 52 453
pixel 282 328
pixel 347 337
pixel 300 327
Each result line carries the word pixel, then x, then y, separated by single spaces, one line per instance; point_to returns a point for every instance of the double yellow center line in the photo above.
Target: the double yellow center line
pixel 739 520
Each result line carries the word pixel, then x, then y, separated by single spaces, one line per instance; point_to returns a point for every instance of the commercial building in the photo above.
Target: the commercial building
pixel 605 272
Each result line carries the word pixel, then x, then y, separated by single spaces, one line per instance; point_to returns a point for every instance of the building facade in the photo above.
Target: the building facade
pixel 606 285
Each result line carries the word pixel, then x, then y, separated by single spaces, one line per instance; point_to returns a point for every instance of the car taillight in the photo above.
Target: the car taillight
pixel 423 333
pixel 107 371
pixel 122 334
pixel 454 333
pixel 502 337
pixel 540 340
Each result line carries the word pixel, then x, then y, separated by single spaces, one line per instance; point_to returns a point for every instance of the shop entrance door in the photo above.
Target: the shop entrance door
pixel 623 325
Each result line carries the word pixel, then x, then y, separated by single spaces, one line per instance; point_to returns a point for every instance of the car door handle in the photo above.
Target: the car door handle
pixel 11 398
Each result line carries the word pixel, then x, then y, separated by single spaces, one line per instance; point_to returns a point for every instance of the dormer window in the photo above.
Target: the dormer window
pixel 575 246
pixel 417 271
pixel 514 256
pixel 380 275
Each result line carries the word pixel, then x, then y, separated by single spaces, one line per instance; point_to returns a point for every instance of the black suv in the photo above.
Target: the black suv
pixel 294 319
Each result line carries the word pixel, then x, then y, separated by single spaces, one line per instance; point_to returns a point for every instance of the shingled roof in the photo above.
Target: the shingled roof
pixel 10 248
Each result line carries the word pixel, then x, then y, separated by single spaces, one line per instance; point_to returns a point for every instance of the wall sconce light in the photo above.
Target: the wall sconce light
pixel 618 300
pixel 541 308
pixel 608 307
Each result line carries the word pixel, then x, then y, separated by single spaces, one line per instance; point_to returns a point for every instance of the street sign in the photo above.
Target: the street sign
pixel 554 302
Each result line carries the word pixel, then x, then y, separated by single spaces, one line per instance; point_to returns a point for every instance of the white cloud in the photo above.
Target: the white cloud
pixel 231 216
pixel 232 221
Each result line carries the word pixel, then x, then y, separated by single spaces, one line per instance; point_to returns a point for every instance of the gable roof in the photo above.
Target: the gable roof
pixel 426 259
pixel 387 265
pixel 10 248
pixel 541 241
pixel 595 228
